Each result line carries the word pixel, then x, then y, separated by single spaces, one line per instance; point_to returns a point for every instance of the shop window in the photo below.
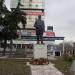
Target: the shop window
pixel 57 53
pixel 18 45
pixel 23 46
pixel 30 47
pixel 28 33
pixel 14 45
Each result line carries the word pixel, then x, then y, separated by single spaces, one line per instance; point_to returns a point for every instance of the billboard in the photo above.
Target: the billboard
pixel 33 33
pixel 35 13
pixel 50 34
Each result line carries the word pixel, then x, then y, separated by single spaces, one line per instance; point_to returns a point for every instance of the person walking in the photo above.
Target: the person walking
pixel 40 29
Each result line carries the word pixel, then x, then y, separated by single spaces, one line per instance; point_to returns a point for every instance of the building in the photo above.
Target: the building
pixel 32 8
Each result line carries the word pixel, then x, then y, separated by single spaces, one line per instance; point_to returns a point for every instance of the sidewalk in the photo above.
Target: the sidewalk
pixel 3 57
pixel 45 70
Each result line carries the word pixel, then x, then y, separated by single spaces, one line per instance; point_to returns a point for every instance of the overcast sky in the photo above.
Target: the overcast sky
pixel 61 15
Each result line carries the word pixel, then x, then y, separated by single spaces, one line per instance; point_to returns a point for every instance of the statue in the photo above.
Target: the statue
pixel 40 28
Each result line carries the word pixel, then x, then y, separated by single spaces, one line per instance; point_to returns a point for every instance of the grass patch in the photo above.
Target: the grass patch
pixel 63 66
pixel 14 67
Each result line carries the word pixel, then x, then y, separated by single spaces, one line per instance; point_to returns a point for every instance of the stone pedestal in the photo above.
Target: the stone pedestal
pixel 40 51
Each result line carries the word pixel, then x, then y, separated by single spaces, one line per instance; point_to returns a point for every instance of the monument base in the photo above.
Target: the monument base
pixel 40 51
pixel 40 55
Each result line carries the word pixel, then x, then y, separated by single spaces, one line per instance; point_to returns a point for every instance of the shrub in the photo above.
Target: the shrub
pixel 68 57
pixel 74 56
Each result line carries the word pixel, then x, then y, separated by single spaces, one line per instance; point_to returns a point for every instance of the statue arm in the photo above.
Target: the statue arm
pixel 35 24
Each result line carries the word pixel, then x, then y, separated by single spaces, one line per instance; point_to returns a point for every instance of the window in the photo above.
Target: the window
pixel 30 5
pixel 36 5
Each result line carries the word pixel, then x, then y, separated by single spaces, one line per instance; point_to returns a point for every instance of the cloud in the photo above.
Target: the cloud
pixel 61 14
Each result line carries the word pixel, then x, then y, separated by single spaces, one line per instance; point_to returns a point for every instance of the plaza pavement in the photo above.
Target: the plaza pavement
pixel 45 70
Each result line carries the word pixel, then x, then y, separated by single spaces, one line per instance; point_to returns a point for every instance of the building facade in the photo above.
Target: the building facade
pixel 32 8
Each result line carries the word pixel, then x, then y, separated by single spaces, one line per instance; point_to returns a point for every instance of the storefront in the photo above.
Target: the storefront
pixel 27 43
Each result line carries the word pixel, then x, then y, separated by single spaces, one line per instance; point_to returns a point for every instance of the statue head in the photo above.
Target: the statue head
pixel 39 17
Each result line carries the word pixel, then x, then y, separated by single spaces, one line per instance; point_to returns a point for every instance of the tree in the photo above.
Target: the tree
pixel 10 24
pixel 13 19
pixel 3 8
pixel 3 12
pixel 67 47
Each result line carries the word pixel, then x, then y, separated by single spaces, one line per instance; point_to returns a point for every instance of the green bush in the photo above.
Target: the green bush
pixel 68 57
pixel 74 56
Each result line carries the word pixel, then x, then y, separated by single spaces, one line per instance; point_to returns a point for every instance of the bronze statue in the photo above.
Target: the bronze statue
pixel 40 28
